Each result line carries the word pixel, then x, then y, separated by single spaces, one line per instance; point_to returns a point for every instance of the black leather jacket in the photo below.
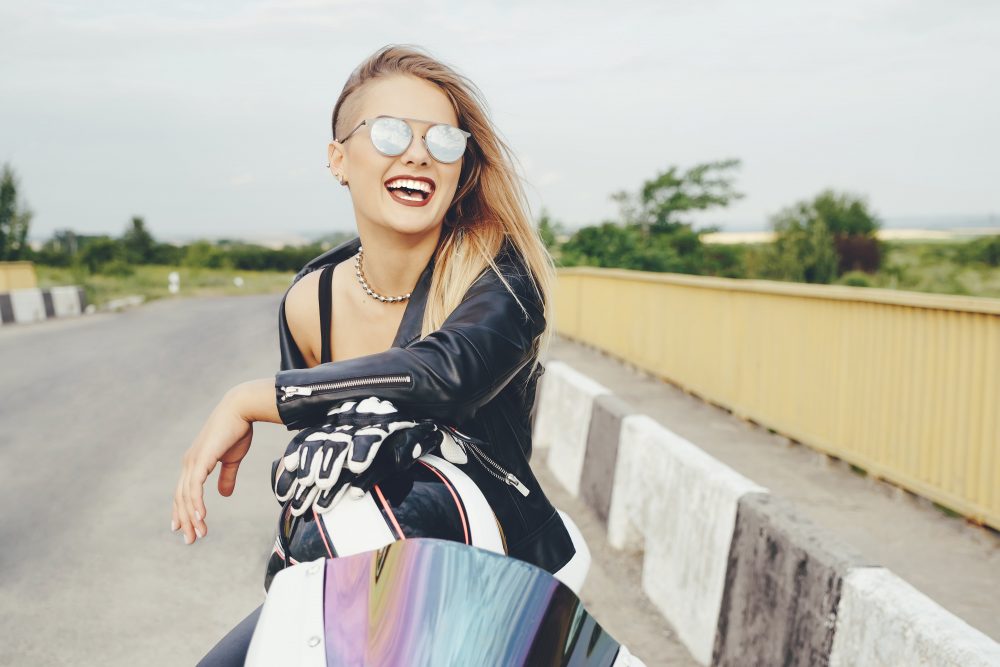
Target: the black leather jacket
pixel 472 373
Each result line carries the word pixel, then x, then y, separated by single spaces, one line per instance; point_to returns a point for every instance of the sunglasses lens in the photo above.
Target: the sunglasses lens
pixel 390 136
pixel 446 143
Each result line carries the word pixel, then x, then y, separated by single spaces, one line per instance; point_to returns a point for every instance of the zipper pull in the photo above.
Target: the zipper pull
pixel 515 482
pixel 295 391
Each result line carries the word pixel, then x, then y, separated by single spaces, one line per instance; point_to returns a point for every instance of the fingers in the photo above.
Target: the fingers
pixel 364 446
pixel 328 499
pixel 175 522
pixel 180 506
pixel 282 481
pixel 227 478
pixel 303 499
pixel 333 465
pixel 197 474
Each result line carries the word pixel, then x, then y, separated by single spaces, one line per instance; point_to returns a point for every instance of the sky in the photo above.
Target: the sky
pixel 212 118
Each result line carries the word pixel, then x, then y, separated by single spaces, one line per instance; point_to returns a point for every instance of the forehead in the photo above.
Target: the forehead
pixel 406 96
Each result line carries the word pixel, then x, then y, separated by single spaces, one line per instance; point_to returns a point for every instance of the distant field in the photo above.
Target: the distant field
pixel 151 282
pixel 933 266
pixel 729 238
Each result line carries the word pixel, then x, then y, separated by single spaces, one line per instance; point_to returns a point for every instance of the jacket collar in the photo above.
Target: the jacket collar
pixel 409 326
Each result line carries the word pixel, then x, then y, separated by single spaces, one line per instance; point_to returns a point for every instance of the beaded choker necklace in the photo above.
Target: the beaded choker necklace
pixel 364 283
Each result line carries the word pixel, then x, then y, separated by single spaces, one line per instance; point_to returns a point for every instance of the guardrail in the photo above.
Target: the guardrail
pixel 903 384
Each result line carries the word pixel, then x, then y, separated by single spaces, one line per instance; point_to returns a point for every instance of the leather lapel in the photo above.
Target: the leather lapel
pixel 413 316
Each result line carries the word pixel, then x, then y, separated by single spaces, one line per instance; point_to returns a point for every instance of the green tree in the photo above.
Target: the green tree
pixel 15 218
pixel 803 248
pixel 820 239
pixel 650 236
pixel 660 200
pixel 137 242
pixel 100 253
pixel 205 255
pixel 59 250
pixel 549 230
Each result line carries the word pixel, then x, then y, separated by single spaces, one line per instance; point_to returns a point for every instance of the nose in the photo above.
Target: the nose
pixel 416 152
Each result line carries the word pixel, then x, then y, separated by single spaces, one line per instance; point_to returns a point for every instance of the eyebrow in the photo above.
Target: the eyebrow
pixel 419 120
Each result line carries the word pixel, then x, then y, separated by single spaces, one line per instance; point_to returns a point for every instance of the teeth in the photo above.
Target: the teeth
pixel 411 184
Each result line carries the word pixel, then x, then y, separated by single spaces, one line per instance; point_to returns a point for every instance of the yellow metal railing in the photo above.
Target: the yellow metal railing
pixel 903 384
pixel 17 275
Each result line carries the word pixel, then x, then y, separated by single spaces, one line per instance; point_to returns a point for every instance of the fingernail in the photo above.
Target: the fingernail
pixel 197 516
pixel 174 525
pixel 197 531
pixel 187 539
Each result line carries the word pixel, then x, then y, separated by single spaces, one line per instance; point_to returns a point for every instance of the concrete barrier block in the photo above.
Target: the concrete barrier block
pixel 603 435
pixel 66 301
pixel 680 504
pixel 6 309
pixel 563 419
pixel 783 584
pixel 882 620
pixel 28 305
pixel 50 309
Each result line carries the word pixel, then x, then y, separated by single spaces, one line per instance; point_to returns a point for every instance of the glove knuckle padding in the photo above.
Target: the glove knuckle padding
pixel 347 455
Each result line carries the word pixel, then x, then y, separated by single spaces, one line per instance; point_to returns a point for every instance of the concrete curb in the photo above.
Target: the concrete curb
pixel 21 306
pixel 882 620
pixel 678 504
pixel 738 573
pixel 783 584
pixel 563 420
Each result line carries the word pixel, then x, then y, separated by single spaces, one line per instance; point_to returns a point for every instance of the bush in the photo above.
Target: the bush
pixel 985 250
pixel 204 255
pixel 856 279
pixel 99 252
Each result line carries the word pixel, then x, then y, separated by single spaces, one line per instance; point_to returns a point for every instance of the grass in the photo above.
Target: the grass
pixel 151 282
pixel 929 266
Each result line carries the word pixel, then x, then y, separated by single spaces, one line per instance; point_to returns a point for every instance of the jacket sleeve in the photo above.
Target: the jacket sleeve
pixel 448 374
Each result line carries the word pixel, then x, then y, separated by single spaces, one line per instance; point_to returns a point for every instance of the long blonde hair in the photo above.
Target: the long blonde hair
pixel 489 204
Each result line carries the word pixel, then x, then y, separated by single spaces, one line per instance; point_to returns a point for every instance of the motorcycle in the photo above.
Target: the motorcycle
pixel 427 601
pixel 415 572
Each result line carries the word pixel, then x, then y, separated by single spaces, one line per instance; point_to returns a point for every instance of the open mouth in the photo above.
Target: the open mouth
pixel 410 192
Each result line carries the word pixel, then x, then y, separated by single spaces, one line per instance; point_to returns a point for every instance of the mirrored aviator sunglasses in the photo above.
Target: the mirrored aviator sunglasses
pixel 391 136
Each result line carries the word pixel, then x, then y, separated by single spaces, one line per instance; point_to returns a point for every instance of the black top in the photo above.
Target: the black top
pixel 325 306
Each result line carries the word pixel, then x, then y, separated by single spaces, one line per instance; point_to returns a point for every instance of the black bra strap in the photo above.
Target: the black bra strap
pixel 325 297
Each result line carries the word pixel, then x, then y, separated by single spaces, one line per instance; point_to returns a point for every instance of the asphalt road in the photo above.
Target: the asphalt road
pixel 95 413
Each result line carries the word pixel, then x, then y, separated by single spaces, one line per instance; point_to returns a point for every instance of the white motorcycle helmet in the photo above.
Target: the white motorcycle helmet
pixel 431 498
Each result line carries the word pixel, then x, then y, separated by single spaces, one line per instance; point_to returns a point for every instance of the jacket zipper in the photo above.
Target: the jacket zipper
pixel 319 388
pixel 479 455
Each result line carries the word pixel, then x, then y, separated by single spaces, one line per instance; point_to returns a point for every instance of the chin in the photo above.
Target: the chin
pixel 414 226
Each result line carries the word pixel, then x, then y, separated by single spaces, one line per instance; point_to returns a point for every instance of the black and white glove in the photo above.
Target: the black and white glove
pixel 361 444
pixel 309 471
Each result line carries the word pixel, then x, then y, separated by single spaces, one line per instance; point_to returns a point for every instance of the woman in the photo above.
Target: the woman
pixel 443 308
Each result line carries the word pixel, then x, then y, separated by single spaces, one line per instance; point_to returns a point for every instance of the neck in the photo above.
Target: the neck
pixel 393 262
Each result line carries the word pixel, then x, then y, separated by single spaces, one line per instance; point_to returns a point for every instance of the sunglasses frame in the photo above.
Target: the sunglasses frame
pixel 423 137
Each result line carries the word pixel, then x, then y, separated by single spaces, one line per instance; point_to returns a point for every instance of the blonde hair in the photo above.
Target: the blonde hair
pixel 489 205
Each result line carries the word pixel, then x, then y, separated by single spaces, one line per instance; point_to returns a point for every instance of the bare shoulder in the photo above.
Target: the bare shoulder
pixel 302 314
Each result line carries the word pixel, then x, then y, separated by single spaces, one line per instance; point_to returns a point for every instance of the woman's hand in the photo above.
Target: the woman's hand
pixel 225 438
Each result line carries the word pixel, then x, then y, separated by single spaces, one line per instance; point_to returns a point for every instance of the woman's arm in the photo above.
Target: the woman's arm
pixel 448 374
pixel 224 439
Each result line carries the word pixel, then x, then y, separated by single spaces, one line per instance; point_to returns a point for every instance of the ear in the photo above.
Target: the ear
pixel 337 158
